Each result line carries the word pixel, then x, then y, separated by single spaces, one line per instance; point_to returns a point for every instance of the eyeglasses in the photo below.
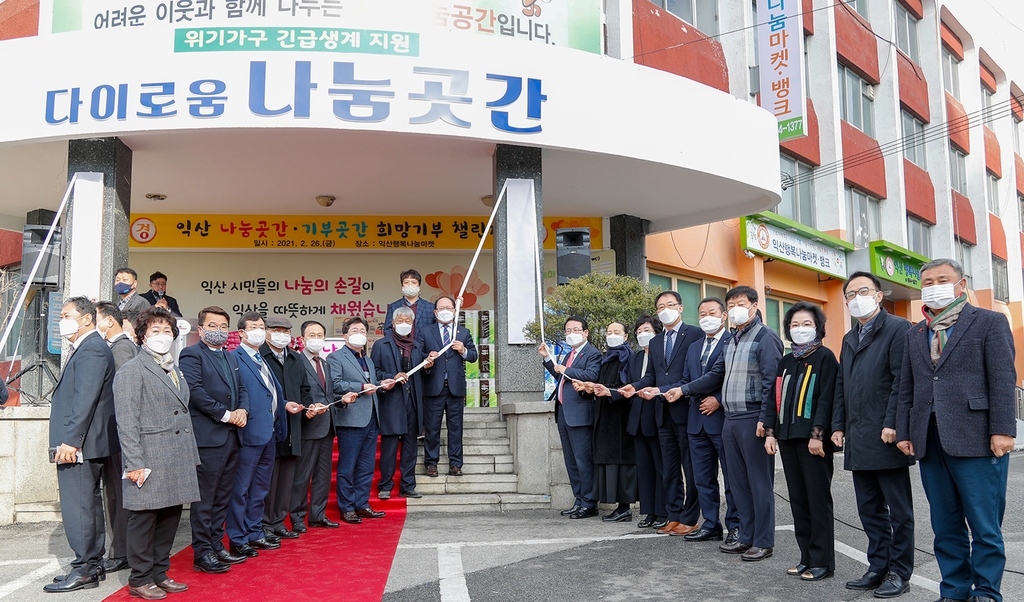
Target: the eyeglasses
pixel 573 331
pixel 806 324
pixel 662 306
pixel 863 291
pixel 212 326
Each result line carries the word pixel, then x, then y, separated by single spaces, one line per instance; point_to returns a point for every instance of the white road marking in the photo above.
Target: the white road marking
pixel 861 557
pixel 47 570
pixel 452 574
pixel 31 561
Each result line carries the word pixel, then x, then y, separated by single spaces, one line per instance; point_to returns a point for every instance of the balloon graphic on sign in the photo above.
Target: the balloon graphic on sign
pixel 450 282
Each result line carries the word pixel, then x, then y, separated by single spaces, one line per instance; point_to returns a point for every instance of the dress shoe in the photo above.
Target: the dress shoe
pixel 147 592
pixel 584 513
pixel 646 522
pixel 869 580
pixel 113 565
pixel 572 510
pixel 283 533
pixel 101 575
pixel 816 573
pixel 895 585
pixel 618 517
pixel 229 558
pixel 324 524
pixel 753 554
pixel 271 538
pixel 351 518
pixel 384 495
pixel 431 470
pixel 660 522
pixel 370 513
pixel 412 493
pixel 264 544
pixel 682 529
pixel 244 550
pixel 734 548
pixel 455 471
pixel 672 524
pixel 172 587
pixel 797 570
pixel 733 536
pixel 705 534
pixel 73 583
pixel 299 528
pixel 208 563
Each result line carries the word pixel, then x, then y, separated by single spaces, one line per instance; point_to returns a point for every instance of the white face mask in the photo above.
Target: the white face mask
pixel 739 315
pixel 445 316
pixel 938 296
pixel 357 340
pixel 862 306
pixel 256 337
pixel 314 345
pixel 403 329
pixel 644 338
pixel 159 343
pixel 614 340
pixel 280 339
pixel 574 339
pixel 68 327
pixel 710 324
pixel 411 291
pixel 668 316
pixel 802 335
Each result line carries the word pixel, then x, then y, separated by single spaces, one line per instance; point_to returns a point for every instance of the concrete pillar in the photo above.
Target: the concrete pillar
pixel 628 239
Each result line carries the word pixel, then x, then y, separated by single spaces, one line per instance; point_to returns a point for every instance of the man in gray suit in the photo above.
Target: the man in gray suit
pixel 356 421
pixel 130 303
pixel 957 415
pixel 84 433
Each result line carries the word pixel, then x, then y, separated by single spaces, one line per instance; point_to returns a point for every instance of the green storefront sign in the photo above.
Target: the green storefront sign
pixel 896 264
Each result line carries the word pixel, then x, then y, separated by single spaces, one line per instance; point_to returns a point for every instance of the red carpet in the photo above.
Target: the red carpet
pixel 349 563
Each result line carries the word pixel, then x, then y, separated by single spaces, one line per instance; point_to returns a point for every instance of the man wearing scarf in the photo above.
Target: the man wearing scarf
pixel 957 416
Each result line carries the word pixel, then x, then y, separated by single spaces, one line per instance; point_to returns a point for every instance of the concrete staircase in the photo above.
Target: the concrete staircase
pixel 488 483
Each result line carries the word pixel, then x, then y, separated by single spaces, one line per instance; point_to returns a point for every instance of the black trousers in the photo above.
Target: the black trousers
pixel 117 516
pixel 150 538
pixel 809 478
pixel 312 484
pixel 81 505
pixel 885 503
pixel 216 480
pixel 681 498
pixel 410 449
pixel 279 500
pixel 650 475
pixel 453 409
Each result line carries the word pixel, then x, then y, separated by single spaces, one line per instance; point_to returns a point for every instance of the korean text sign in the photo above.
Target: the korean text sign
pixel 780 49
pixel 773 241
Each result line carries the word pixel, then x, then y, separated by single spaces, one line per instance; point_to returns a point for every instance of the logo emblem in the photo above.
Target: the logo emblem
pixel 763 238
pixel 143 230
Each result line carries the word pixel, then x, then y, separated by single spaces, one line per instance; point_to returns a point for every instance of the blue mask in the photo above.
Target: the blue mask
pixel 122 288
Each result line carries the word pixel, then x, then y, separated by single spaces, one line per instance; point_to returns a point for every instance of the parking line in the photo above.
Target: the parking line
pixel 451 573
pixel 47 570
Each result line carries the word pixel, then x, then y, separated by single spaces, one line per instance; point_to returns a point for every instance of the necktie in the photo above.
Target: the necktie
pixel 268 380
pixel 669 340
pixel 446 336
pixel 568 364
pixel 320 373
pixel 228 376
pixel 707 351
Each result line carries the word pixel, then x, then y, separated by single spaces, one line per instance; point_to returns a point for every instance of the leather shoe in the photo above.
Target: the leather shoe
pixel 208 563
pixel 411 493
pixel 572 510
pixel 455 471
pixel 264 544
pixel 753 554
pixel 817 573
pixel 244 550
pixel 351 518
pixel 271 538
pixel 101 574
pixel 73 583
pixel 646 522
pixel 299 528
pixel 113 565
pixel 324 524
pixel 659 523
pixel 618 517
pixel 172 587
pixel 431 470
pixel 283 533
pixel 370 513
pixel 733 536
pixel 797 570
pixel 229 558
pixel 734 548
pixel 384 495
pixel 584 513
pixel 672 524
pixel 705 534
pixel 869 580
pixel 682 529
pixel 147 592
pixel 896 586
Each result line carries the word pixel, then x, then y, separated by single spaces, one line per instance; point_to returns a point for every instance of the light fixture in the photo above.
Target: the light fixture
pixel 488 200
pixel 748 253
pixel 156 196
pixel 325 200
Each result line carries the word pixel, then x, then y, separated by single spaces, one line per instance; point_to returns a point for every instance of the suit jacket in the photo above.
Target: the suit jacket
pixel 156 433
pixel 348 377
pixel 972 389
pixel 424 315
pixel 576 409
pixel 712 424
pixel 666 375
pixel 82 405
pixel 132 309
pixel 449 362
pixel 395 404
pixel 210 394
pixel 292 377
pixel 124 350
pixel 263 423
pixel 642 420
pixel 172 303
pixel 322 425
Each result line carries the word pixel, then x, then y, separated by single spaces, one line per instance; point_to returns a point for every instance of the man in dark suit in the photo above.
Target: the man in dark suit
pixel 444 385
pixel 267 425
pixel 219 406
pixel 668 362
pixel 82 426
pixel 421 308
pixel 957 416
pixel 288 368
pixel 704 427
pixel 130 302
pixel 108 321
pixel 574 414
pixel 313 476
pixel 158 293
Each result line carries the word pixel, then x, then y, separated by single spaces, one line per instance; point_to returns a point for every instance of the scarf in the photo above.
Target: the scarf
pixel 621 353
pixel 405 346
pixel 802 351
pixel 939 322
pixel 166 362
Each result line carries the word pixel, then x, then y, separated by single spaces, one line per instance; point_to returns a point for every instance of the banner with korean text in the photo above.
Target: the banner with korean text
pixel 773 241
pixel 780 51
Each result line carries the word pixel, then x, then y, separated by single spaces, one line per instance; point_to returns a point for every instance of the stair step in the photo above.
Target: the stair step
pixel 485 449
pixel 468 483
pixel 490 502
pixel 37 512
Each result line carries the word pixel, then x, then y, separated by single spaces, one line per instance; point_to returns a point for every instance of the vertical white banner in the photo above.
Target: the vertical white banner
pixel 521 225
pixel 780 50
pixel 84 258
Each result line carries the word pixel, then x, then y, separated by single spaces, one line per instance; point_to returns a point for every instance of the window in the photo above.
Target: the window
pixel 861 6
pixel 10 288
pixel 957 170
pixel 992 193
pixel 963 255
pixel 701 13
pixel 1020 206
pixel 951 73
pixel 864 216
pixel 906 32
pixel 913 140
pixel 855 99
pixel 797 200
pixel 1000 280
pixel 692 290
pixel 774 312
pixel 1016 136
pixel 987 100
pixel 919 236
